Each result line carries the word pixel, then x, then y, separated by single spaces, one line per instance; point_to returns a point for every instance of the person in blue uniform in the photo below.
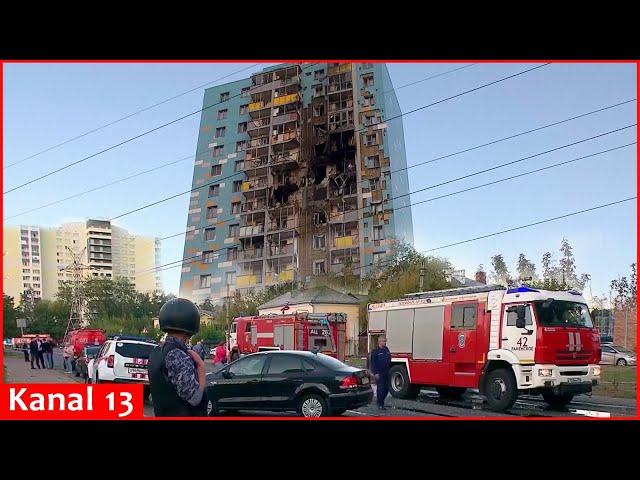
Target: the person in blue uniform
pixel 380 361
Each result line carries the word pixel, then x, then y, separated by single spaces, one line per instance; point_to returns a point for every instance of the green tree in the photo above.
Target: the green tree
pixel 9 315
pixel 525 268
pixel 500 272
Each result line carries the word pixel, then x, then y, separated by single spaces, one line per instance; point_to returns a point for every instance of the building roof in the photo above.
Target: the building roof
pixel 313 296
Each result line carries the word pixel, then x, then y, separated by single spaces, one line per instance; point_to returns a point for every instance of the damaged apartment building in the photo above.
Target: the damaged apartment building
pixel 296 176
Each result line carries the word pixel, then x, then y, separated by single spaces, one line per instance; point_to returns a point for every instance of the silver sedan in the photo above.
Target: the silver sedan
pixel 614 355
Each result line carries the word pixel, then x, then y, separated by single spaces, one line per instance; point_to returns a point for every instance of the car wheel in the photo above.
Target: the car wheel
pixel 621 362
pixel 399 384
pixel 452 393
pixel 557 401
pixel 311 406
pixel 212 408
pixel 338 411
pixel 500 389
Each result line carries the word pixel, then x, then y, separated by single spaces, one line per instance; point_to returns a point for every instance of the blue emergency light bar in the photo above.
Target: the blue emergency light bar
pixel 522 290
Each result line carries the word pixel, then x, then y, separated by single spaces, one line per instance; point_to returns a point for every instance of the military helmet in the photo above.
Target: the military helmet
pixel 180 315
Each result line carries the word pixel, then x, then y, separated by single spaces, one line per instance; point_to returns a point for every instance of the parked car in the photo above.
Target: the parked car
pixel 614 355
pixel 311 384
pixel 88 353
pixel 122 360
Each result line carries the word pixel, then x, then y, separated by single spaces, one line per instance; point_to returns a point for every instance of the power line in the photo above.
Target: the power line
pixel 455 179
pixel 115 182
pixel 131 139
pixel 213 182
pixel 118 120
pixel 305 226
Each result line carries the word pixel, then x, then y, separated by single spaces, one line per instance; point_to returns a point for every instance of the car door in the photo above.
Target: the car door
pixel 462 344
pixel 608 355
pixel 238 386
pixel 283 378
pixel 100 361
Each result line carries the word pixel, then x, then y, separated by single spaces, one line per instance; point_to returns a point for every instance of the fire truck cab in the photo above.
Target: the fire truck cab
pixel 319 332
pixel 499 341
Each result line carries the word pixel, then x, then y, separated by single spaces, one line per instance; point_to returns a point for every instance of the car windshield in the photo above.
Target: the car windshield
pixel 624 350
pixel 560 313
pixel 91 351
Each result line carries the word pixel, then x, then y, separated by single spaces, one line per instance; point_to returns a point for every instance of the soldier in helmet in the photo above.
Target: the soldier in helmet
pixel 177 373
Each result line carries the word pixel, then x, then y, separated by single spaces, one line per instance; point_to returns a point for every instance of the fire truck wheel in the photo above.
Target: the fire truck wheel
pixel 399 384
pixel 313 406
pixel 501 389
pixel 451 392
pixel 557 400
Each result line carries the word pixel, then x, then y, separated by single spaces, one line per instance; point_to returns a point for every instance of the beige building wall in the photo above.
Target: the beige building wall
pixel 50 270
pixel 352 312
pixel 146 258
pixel 11 263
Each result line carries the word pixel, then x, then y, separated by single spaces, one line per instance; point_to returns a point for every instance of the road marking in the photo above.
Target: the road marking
pixel 590 413
pixel 358 413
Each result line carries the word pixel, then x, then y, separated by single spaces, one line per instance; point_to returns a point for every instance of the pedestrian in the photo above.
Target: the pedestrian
pixel 47 353
pixel 221 355
pixel 380 365
pixel 25 350
pixel 199 349
pixel 68 359
pixel 177 373
pixel 34 345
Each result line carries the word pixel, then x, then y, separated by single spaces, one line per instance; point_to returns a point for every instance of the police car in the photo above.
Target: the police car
pixel 122 360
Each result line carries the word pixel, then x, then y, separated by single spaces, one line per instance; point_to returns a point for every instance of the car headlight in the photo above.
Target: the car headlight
pixel 545 372
pixel 596 371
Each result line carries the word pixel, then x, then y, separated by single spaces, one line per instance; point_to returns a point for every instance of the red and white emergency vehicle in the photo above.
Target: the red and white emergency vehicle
pixel 76 340
pixel 498 341
pixel 320 332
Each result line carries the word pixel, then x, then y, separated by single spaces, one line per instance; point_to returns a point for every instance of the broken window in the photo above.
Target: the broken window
pixel 319 267
pixel 318 74
pixel 244 109
pixel 208 256
pixel 212 212
pixel 377 207
pixel 378 232
pixel 244 92
pixel 239 165
pixel 216 170
pixel 224 96
pixel 235 208
pixel 205 281
pixel 372 161
pixel 319 218
pixel 368 101
pixel 374 184
pixel 319 242
pixel 222 114
pixel 367 80
pixel 232 253
pixel 371 139
pixel 237 186
pixel 241 145
pixel 214 190
pixel 217 150
pixel 377 258
pixel 242 127
pixel 317 91
pixel 318 111
pixel 234 230
pixel 230 278
pixel 220 131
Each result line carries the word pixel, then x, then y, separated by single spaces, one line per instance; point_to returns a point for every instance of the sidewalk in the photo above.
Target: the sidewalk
pixel 19 371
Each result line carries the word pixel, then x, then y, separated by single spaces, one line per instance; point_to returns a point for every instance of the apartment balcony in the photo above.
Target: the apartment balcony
pixel 340 87
pixel 343 217
pixel 286 250
pixel 340 68
pixel 258 123
pixel 258 142
pixel 285 118
pixel 348 241
pixel 251 254
pixel 261 105
pixel 283 100
pixel 251 231
pixel 255 188
pixel 340 267
pixel 287 158
pixel 291 136
pixel 251 207
pixel 271 278
pixel 283 225
pixel 243 281
pixel 284 82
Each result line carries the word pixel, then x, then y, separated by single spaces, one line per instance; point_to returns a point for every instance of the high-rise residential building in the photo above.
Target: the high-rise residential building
pixel 299 172
pixel 35 258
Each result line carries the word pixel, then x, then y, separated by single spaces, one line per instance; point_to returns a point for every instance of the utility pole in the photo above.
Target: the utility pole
pixel 76 313
pixel 422 270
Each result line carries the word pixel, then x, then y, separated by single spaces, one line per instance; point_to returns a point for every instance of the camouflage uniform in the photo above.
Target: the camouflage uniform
pixel 181 371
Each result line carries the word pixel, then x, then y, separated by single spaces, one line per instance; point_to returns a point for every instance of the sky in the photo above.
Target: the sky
pixel 45 104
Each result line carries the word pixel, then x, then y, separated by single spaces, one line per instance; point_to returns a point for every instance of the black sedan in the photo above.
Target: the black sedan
pixel 314 385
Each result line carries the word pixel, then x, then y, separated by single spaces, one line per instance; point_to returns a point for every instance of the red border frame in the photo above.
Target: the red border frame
pixel 346 419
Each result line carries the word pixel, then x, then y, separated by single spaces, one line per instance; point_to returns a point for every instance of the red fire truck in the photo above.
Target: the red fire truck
pixel 321 332
pixel 498 341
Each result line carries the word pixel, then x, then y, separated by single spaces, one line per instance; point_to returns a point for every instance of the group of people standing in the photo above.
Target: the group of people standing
pixel 40 352
pixel 220 353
